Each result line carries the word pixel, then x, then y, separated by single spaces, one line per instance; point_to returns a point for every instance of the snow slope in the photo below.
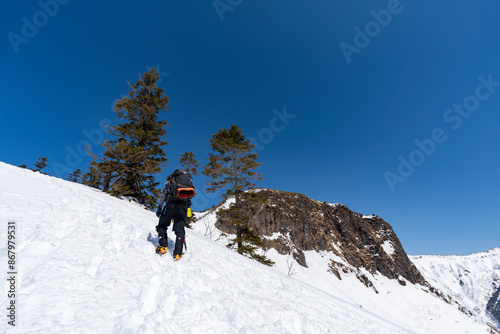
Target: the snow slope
pixel 471 280
pixel 86 264
pixel 411 307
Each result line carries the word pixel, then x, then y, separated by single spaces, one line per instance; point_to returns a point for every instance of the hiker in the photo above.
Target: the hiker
pixel 177 195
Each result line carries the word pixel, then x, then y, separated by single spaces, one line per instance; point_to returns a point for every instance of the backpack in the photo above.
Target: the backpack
pixel 181 185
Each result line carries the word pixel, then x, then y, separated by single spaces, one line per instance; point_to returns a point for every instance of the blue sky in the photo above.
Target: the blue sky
pixel 339 126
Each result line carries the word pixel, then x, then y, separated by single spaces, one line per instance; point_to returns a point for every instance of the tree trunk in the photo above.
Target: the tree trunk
pixel 239 237
pixel 107 180
pixel 239 234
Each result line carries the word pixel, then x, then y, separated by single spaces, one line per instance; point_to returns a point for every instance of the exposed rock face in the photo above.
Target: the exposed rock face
pixel 292 223
pixel 494 305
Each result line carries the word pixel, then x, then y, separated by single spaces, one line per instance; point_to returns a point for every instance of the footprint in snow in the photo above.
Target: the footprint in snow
pixel 95 264
pixel 149 294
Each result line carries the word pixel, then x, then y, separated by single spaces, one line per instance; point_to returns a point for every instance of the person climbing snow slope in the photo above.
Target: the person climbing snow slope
pixel 177 194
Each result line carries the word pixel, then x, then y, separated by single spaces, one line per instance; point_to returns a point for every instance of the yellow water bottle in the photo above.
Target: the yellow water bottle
pixel 189 214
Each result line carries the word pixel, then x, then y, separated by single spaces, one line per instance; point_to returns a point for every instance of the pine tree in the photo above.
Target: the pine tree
pixel 40 164
pixel 189 163
pixel 93 177
pixel 233 167
pixel 130 161
pixel 75 176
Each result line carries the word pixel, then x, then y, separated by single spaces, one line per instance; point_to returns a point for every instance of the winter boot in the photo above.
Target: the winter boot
pixel 161 250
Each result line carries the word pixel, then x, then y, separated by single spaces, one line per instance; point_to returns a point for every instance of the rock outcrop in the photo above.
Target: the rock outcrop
pixel 292 223
pixel 494 305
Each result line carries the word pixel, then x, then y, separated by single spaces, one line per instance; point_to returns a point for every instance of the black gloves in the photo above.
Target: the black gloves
pixel 158 212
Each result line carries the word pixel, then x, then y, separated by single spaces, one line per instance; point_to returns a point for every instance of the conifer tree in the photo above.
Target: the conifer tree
pixel 40 164
pixel 189 163
pixel 131 160
pixel 233 167
pixel 93 177
pixel 75 176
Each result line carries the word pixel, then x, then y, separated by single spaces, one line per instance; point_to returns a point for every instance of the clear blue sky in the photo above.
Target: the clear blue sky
pixel 356 102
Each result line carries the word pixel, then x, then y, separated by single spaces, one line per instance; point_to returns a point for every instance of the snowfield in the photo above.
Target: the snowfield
pixel 86 264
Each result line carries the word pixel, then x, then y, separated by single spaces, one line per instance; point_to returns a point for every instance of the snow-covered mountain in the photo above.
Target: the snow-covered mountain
pixel 474 280
pixel 85 263
pixel 354 257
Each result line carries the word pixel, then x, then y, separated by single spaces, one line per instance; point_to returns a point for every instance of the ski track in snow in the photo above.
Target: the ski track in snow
pixel 86 264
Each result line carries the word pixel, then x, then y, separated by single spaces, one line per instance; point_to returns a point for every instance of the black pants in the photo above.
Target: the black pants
pixel 177 212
